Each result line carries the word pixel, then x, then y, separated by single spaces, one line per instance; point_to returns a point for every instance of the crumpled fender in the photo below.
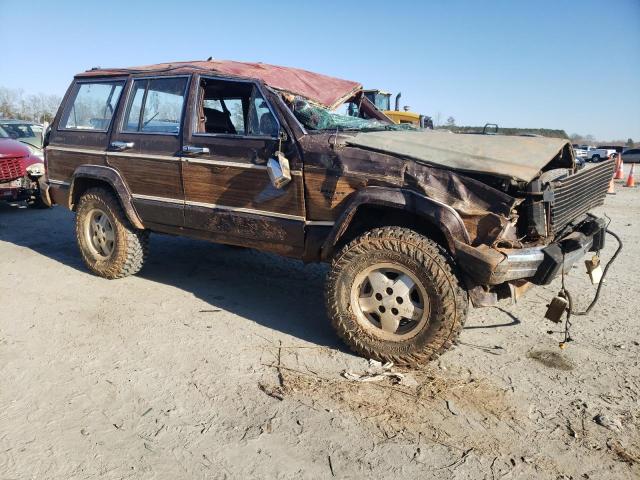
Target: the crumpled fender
pixel 440 214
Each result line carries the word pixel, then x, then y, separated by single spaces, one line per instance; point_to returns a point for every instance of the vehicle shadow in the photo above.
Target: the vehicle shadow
pixel 49 232
pixel 514 321
pixel 276 292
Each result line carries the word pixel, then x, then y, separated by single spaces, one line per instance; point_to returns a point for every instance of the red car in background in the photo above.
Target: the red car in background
pixel 19 172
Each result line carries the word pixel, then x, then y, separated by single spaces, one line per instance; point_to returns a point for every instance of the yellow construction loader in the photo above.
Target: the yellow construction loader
pixel 382 101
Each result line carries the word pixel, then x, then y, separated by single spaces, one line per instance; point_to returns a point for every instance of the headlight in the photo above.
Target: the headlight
pixel 36 170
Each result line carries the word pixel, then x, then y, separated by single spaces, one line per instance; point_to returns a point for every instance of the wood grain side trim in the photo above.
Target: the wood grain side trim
pixel 246 210
pixel 241 188
pixel 62 163
pixel 319 223
pixel 150 177
pixel 114 154
pixel 75 150
pixel 326 193
pixel 144 156
pixel 58 182
pixel 139 196
pixel 202 161
pixel 220 207
pixel 222 163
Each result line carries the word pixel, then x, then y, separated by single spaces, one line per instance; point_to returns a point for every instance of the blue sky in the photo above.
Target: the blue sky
pixel 556 64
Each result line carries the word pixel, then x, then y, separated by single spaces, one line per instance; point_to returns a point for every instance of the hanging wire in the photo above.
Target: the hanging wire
pixel 565 293
pixel 604 274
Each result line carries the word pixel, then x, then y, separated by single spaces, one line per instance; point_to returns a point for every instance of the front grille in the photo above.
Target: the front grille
pixel 576 194
pixel 10 169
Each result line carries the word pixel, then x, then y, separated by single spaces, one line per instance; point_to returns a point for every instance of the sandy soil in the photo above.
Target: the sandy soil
pixel 217 362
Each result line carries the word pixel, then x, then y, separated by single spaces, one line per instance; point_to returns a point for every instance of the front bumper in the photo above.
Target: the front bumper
pixel 17 190
pixel 538 265
pixel 43 185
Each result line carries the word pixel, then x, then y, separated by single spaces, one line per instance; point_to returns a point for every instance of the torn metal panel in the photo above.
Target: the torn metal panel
pixel 520 158
pixel 334 172
pixel 328 91
pixel 485 211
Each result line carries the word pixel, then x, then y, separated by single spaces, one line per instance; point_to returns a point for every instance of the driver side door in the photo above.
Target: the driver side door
pixel 230 135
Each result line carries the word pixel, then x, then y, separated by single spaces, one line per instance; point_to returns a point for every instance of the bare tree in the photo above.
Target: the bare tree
pixel 40 107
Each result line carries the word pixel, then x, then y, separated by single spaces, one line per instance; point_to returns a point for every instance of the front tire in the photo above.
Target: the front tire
pixel 109 245
pixel 393 295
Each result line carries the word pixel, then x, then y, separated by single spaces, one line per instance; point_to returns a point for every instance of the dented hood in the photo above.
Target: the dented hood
pixel 520 158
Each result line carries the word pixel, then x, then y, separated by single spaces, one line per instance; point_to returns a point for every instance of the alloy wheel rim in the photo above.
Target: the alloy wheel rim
pixel 389 301
pixel 100 234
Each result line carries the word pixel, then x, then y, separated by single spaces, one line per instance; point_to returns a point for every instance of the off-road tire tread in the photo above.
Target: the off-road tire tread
pixel 432 257
pixel 128 260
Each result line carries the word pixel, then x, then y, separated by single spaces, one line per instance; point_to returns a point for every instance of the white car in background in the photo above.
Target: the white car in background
pixel 579 151
pixel 600 154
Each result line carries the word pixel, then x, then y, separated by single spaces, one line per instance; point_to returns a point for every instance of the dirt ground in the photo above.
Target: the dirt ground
pixel 217 362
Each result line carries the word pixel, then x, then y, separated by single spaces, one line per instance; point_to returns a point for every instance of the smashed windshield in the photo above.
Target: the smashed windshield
pixel 314 117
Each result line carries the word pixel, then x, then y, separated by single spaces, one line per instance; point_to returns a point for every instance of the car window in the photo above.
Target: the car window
pixel 30 133
pixel 19 130
pixel 265 123
pixel 93 106
pixel 234 108
pixel 155 105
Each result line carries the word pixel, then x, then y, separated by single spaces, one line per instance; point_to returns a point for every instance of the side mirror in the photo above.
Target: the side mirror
pixel 279 170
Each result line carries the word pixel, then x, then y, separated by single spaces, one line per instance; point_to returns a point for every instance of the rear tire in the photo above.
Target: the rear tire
pixel 109 245
pixel 393 295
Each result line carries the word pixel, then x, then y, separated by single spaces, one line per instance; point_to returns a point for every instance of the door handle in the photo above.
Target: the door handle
pixel 117 145
pixel 191 150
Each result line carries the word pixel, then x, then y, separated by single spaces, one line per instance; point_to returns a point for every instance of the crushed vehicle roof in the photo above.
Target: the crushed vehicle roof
pixel 520 158
pixel 322 89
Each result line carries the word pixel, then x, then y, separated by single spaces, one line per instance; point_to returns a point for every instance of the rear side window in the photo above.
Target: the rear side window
pixel 93 106
pixel 155 105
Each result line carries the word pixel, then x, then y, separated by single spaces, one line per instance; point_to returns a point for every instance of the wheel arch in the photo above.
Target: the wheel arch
pixel 395 206
pixel 89 176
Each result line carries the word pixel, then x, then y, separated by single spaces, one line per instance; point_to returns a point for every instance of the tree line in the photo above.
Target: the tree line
pixel 543 132
pixel 450 124
pixel 40 107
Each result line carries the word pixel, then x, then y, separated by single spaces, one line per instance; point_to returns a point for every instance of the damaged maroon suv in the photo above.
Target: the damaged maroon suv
pixel 20 171
pixel 415 224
